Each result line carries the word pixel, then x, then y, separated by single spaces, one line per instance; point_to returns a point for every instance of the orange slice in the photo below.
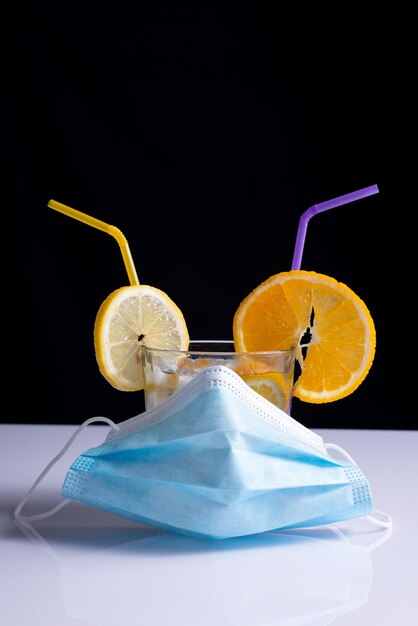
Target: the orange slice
pixel 288 307
pixel 270 386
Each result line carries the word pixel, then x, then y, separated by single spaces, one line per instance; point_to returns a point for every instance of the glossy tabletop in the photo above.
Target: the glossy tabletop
pixel 83 566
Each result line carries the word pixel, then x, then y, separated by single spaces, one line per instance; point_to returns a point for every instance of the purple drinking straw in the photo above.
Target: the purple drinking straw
pixel 318 208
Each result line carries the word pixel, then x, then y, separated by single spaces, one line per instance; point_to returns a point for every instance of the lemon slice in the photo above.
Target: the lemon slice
pixel 291 306
pixel 130 317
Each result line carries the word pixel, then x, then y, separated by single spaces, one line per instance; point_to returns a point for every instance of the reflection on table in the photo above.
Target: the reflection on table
pixel 138 575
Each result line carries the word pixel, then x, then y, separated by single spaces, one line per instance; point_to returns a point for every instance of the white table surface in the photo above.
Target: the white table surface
pixel 83 566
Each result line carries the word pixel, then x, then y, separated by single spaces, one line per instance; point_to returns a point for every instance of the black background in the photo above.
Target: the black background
pixel 203 134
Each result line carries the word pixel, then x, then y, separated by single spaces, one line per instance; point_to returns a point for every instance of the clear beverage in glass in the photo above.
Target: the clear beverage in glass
pixel 270 373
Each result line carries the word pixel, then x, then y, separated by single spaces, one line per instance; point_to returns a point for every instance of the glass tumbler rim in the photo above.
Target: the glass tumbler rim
pixel 212 342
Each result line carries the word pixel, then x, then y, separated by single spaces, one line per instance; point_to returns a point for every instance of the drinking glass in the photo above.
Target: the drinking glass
pixel 270 373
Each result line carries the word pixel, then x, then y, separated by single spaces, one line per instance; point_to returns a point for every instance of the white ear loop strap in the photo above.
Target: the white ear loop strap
pixel 377 517
pixel 17 512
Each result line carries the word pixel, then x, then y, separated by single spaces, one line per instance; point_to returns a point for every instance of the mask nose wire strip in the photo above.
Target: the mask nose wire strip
pixel 17 512
pixel 377 517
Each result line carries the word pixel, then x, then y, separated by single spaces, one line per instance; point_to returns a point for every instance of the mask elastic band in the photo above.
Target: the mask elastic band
pixel 380 518
pixel 386 533
pixel 377 517
pixel 344 453
pixel 44 472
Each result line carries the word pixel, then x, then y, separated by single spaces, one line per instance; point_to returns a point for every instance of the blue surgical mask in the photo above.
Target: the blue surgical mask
pixel 217 461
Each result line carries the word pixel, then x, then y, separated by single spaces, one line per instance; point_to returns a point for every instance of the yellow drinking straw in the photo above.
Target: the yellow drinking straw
pixel 107 228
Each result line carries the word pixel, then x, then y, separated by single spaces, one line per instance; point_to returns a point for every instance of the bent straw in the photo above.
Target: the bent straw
pixel 107 228
pixel 318 208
